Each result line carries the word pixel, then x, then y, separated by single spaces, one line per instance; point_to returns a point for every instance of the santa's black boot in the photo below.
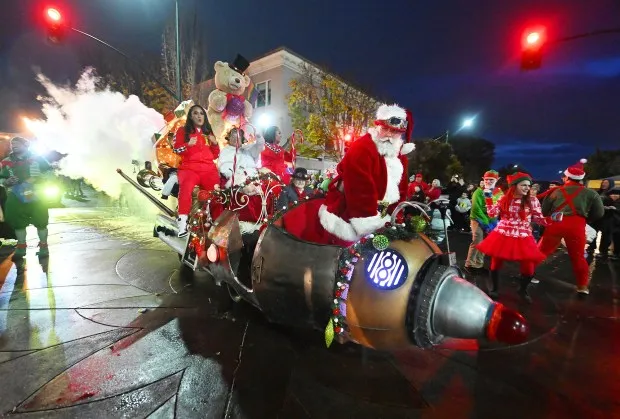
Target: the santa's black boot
pixel 524 282
pixel 493 284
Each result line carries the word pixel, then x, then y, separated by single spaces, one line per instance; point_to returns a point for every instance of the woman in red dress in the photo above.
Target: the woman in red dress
pixel 274 156
pixel 512 239
pixel 197 146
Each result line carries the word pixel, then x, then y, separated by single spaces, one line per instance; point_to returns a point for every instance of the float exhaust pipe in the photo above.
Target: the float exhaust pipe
pixel 150 197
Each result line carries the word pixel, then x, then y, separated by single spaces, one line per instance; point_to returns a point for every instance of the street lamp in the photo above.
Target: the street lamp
pixel 265 121
pixel 467 124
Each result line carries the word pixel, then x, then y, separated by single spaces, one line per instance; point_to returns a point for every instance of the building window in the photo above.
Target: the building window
pixel 264 94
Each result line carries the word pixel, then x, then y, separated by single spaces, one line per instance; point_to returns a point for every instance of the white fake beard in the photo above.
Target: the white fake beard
pixel 387 146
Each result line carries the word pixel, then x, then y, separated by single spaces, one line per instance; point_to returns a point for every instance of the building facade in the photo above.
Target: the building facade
pixel 271 75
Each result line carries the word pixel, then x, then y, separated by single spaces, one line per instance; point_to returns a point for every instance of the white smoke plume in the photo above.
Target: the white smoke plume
pixel 99 130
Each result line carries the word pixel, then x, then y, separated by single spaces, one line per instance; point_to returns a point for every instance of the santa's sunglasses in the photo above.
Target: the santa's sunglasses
pixel 395 122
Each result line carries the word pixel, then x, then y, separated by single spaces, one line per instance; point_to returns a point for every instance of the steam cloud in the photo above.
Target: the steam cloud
pixel 100 130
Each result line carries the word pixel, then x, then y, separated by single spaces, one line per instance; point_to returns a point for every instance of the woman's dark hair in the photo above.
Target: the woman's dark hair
pixel 270 134
pixel 189 124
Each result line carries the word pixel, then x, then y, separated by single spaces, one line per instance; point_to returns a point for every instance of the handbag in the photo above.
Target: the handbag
pixel 24 192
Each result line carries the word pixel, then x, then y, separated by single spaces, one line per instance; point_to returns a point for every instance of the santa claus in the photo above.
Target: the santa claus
pixel 371 179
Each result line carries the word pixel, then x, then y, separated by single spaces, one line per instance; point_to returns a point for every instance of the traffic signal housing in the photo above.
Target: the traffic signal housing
pixel 532 45
pixel 55 23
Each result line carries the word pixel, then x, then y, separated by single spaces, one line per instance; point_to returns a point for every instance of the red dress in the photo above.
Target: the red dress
pixel 512 239
pixel 273 157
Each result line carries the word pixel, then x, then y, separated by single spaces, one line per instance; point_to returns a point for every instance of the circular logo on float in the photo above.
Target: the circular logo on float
pixel 387 269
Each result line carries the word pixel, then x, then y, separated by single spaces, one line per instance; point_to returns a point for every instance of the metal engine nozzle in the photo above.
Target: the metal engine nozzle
pixel 449 306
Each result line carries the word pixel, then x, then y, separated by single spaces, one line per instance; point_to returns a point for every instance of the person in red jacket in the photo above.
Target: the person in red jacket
pixel 198 148
pixel 274 157
pixel 434 192
pixel 419 183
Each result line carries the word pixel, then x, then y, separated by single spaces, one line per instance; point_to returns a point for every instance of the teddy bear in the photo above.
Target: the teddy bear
pixel 227 105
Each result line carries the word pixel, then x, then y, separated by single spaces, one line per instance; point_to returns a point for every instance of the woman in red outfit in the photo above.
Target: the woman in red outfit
pixel 434 192
pixel 197 146
pixel 274 156
pixel 512 239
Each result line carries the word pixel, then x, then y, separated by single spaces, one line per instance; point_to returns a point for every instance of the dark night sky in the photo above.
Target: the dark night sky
pixel 443 59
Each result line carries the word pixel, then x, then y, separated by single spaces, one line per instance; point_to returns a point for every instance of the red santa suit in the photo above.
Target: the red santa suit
pixel 197 166
pixel 273 157
pixel 370 178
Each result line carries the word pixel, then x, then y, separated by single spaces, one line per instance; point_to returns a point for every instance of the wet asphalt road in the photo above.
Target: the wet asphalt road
pixel 111 327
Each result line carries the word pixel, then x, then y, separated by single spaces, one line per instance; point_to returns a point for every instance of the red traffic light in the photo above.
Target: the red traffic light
pixel 533 38
pixel 531 43
pixel 53 15
pixel 55 23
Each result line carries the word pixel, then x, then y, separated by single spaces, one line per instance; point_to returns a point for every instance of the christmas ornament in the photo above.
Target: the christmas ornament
pixel 418 224
pixel 380 242
pixel 329 333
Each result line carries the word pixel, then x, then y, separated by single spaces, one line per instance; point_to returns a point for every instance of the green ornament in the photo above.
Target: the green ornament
pixel 418 224
pixel 380 242
pixel 329 333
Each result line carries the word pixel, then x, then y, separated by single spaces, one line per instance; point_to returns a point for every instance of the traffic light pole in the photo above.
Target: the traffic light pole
pixel 587 35
pixel 155 78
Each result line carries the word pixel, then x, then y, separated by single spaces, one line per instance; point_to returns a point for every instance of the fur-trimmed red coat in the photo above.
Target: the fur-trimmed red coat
pixel 364 180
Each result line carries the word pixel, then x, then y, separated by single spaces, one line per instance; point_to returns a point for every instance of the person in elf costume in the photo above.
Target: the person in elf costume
pixel 21 172
pixel 198 148
pixel 579 205
pixel 274 157
pixel 371 180
pixel 480 222
pixel 512 239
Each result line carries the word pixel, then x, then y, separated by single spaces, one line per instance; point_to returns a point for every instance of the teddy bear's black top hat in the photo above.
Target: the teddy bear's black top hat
pixel 240 64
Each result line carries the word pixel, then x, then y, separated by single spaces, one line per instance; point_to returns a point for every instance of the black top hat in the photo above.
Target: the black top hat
pixel 240 64
pixel 301 174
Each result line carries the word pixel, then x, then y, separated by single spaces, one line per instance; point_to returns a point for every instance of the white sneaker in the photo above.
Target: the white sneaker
pixel 182 225
pixel 583 290
pixel 534 281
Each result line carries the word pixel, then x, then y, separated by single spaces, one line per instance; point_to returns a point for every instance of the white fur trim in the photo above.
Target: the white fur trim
pixel 394 175
pixel 568 174
pixel 336 225
pixel 388 111
pixel 247 227
pixel 407 148
pixel 366 225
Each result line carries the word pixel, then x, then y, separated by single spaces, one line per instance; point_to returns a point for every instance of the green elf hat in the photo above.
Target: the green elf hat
pixel 490 174
pixel 518 177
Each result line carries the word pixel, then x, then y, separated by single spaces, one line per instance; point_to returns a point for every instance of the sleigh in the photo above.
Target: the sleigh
pixel 392 289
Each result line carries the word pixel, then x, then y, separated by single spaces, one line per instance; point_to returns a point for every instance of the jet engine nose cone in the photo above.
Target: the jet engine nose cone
pixel 507 326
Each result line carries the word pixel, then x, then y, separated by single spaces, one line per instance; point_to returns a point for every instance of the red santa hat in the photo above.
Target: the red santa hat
pixel 576 171
pixel 399 119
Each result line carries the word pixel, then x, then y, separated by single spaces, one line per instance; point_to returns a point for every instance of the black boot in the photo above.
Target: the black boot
pixel 524 282
pixel 493 284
